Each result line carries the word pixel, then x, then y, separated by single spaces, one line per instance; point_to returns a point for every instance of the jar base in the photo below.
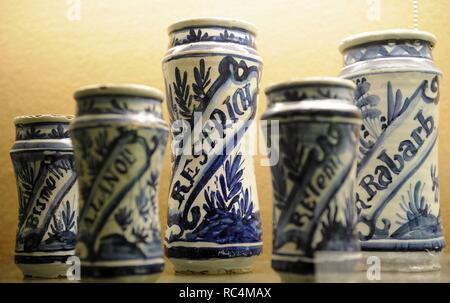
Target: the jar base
pixel 322 267
pixel 405 261
pixel 137 272
pixel 214 266
pixel 144 278
pixel 44 271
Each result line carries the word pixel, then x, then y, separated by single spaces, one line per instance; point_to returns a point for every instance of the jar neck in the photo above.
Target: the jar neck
pixel 42 130
pixel 118 104
pixel 388 49
pixel 211 33
pixel 296 94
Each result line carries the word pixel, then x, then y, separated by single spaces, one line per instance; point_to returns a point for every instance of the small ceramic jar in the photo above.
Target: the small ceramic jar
pixel 119 139
pixel 212 73
pixel 397 187
pixel 313 129
pixel 43 162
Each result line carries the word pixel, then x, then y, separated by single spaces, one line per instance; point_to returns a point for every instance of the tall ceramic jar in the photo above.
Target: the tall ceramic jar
pixel 313 130
pixel 119 138
pixel 212 73
pixel 397 192
pixel 48 195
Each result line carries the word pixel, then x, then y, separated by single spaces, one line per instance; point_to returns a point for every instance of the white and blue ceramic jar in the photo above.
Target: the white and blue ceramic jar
pixel 397 187
pixel 119 139
pixel 43 162
pixel 313 130
pixel 212 73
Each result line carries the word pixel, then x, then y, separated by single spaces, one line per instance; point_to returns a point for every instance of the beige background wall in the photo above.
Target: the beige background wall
pixel 44 57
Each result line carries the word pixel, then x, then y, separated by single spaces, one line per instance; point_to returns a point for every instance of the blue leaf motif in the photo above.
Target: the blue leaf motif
pixel 230 212
pixel 416 221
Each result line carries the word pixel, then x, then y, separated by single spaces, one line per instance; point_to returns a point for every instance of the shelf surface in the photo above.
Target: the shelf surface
pixel 262 273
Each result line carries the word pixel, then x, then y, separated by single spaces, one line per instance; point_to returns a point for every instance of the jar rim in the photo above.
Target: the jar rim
pixel 127 89
pixel 38 118
pixel 390 34
pixel 313 108
pixel 212 22
pixel 310 82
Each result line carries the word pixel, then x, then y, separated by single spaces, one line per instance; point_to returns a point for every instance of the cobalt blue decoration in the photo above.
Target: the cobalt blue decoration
pixel 119 139
pixel 212 74
pixel 313 130
pixel 48 196
pixel 397 187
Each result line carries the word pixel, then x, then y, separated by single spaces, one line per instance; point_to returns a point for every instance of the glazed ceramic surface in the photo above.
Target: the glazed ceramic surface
pixel 48 196
pixel 313 129
pixel 119 139
pixel 397 192
pixel 212 74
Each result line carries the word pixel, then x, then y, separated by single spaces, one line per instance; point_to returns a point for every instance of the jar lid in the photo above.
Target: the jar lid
pixel 138 90
pixel 212 22
pixel 311 82
pixel 28 119
pixel 391 34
